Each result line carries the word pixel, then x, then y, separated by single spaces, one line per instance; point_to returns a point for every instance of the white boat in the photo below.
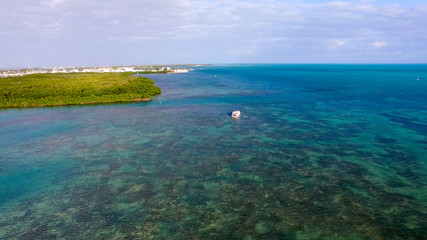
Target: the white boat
pixel 235 114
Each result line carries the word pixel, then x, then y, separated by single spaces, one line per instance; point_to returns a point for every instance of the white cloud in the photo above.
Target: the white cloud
pixel 100 14
pixel 380 44
pixel 52 3
pixel 336 43
pixel 131 38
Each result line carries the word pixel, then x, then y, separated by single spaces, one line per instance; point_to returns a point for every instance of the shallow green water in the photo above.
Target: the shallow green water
pixel 320 152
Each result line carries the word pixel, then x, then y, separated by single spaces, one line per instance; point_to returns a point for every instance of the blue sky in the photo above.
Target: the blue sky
pixel 37 33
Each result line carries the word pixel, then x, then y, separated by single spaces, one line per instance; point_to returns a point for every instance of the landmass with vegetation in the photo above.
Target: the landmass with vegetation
pixel 74 88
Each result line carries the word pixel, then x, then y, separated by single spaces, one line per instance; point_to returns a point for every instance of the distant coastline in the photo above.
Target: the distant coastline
pixel 143 69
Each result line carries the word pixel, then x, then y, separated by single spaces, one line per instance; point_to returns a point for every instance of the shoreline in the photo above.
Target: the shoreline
pixel 81 103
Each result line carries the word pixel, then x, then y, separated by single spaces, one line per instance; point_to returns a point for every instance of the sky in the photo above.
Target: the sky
pixel 43 33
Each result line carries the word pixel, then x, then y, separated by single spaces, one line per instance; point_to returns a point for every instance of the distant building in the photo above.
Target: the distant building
pixel 165 69
pixel 180 71
pixel 105 69
pixel 128 69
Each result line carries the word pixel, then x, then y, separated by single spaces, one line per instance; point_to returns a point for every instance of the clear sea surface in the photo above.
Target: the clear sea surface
pixel 319 152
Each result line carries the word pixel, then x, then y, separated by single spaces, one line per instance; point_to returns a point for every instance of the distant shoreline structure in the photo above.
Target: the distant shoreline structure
pixel 102 69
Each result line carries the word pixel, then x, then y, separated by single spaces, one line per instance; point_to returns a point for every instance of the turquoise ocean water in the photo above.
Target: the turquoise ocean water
pixel 319 152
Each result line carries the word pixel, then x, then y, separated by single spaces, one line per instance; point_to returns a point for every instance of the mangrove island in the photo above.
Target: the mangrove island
pixel 37 90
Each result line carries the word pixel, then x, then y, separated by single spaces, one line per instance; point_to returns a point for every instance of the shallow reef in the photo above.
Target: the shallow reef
pixel 321 169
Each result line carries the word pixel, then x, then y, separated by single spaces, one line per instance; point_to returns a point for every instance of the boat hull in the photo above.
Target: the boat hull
pixel 235 114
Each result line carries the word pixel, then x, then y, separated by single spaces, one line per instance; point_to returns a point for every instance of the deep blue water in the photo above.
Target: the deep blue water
pixel 319 152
